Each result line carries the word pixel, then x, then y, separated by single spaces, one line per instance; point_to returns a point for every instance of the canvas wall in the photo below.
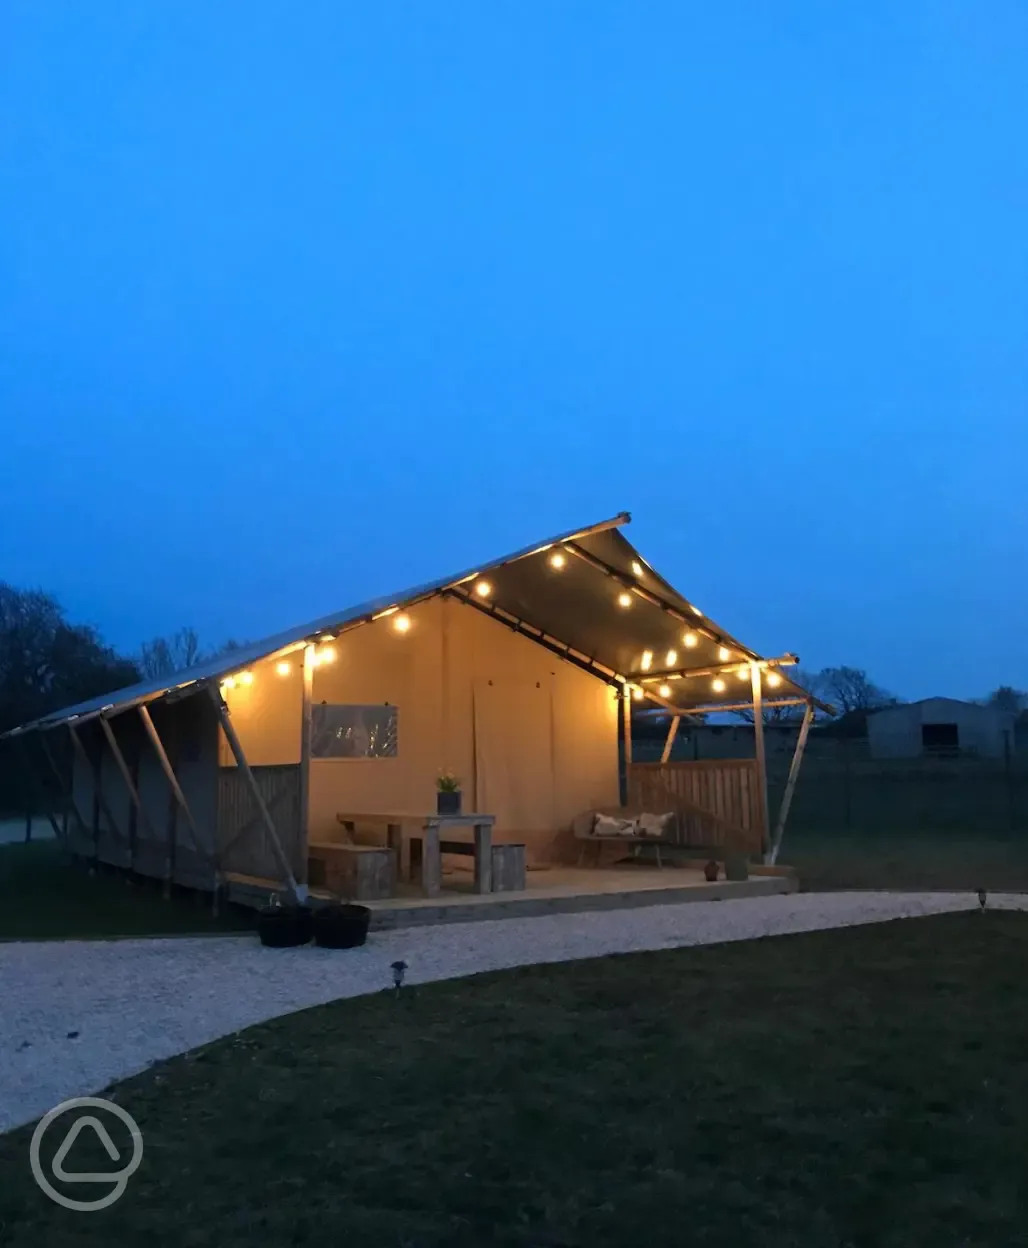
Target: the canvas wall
pixel 533 739
pixel 188 731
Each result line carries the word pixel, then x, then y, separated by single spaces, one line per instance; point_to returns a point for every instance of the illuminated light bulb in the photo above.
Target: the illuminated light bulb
pixel 327 637
pixel 647 660
pixel 774 680
pixel 327 655
pixel 283 668
pixel 483 589
pixel 665 691
pixel 718 685
pixel 697 611
pixel 557 560
pixel 743 673
pixel 637 568
pixel 637 693
pixel 724 654
pixel 229 682
pixel 246 678
pixel 690 640
pixel 624 600
pixel 671 658
pixel 401 623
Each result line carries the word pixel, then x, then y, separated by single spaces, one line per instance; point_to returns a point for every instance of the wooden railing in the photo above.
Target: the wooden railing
pixel 718 801
pixel 243 839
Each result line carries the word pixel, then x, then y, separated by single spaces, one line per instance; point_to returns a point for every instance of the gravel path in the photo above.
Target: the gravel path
pixel 133 1002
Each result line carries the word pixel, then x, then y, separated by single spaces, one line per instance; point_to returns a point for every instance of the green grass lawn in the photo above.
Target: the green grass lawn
pixel 877 858
pixel 851 1088
pixel 44 896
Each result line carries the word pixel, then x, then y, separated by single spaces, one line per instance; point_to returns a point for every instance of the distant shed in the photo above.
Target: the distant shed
pixel 939 726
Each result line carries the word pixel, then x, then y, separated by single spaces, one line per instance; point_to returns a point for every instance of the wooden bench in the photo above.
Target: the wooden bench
pixel 361 872
pixel 582 830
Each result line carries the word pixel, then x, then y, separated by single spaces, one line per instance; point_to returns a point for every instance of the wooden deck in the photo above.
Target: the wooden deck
pixel 557 890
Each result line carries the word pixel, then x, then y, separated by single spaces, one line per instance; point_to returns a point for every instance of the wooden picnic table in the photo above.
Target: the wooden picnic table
pixel 427 828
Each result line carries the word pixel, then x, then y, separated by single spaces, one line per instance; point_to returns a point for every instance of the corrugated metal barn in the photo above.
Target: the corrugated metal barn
pixel 939 727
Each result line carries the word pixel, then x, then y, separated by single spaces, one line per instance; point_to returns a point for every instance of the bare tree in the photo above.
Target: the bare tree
pixel 851 689
pixel 164 656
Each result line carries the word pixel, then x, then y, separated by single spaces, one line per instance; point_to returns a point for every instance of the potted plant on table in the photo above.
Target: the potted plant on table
pixel 448 795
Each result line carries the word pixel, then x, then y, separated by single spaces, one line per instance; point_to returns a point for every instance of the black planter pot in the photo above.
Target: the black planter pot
pixel 284 927
pixel 341 927
pixel 447 803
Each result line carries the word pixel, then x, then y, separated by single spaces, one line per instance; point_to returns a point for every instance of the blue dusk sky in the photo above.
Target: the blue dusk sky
pixel 300 303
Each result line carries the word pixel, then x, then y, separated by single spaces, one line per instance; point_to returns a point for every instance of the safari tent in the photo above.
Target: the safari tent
pixel 517 675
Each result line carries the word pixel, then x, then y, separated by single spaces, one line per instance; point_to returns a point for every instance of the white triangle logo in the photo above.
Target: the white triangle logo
pixel 65 1149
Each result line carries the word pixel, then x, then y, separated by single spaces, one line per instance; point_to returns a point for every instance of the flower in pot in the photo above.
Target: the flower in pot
pixel 447 794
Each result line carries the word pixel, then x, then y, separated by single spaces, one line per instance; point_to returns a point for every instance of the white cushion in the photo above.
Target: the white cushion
pixel 605 825
pixel 654 827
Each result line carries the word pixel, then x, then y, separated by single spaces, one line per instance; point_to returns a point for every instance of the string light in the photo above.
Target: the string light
pixel 637 568
pixel 557 560
pixel 697 611
pixel 774 680
pixel 246 678
pixel 671 658
pixel 647 660
pixel 624 600
pixel 724 654
pixel 690 640
pixel 283 668
pixel 637 693
pixel 229 682
pixel 327 654
pixel 327 637
pixel 743 673
pixel 665 691
pixel 483 589
pixel 401 623
pixel 718 685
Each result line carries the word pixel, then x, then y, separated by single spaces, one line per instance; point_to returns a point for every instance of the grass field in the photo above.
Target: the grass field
pixel 44 896
pixel 858 1087
pixel 911 861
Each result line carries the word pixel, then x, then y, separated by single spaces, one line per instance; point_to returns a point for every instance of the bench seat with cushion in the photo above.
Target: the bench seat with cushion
pixel 618 825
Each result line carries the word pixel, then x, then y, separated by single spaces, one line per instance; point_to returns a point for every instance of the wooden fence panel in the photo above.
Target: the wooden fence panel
pixel 717 800
pixel 243 839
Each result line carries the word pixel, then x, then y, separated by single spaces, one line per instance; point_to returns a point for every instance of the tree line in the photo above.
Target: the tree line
pixel 47 662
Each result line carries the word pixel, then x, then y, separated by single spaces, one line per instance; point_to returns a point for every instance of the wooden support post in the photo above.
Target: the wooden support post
pixel 672 732
pixel 37 784
pixel 100 802
pixel 95 767
pixel 171 818
pixel 299 891
pixel 131 777
pixel 758 739
pixel 176 789
pixel 305 756
pixel 69 797
pixel 790 784
pixel 626 737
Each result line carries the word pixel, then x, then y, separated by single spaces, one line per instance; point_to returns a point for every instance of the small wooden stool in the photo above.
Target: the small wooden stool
pixel 509 869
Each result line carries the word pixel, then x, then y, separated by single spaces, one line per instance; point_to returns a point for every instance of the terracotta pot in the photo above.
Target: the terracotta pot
pixel 711 871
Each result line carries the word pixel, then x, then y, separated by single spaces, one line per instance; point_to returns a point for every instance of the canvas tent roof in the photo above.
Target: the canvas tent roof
pixel 604 609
